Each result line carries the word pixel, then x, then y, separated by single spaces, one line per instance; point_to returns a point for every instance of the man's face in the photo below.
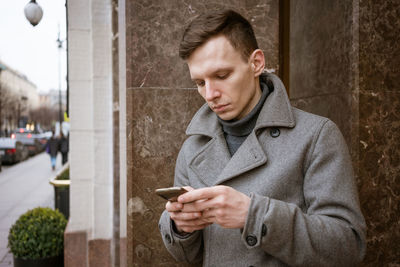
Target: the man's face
pixel 224 79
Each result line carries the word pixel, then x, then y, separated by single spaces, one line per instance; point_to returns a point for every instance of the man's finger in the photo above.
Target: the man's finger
pixel 184 216
pixel 199 205
pixel 173 206
pixel 209 215
pixel 204 204
pixel 197 194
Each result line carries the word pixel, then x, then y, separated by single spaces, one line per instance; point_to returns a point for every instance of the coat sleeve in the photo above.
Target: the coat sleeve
pixel 331 232
pixel 186 248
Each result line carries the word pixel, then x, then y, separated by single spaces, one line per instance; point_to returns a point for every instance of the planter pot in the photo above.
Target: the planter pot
pixel 62 199
pixel 57 261
pixel 61 192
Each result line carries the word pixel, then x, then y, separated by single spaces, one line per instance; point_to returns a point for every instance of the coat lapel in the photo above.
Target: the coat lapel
pixel 214 164
pixel 211 160
pixel 250 155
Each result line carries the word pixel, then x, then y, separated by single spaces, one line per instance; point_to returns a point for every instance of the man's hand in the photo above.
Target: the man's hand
pixel 222 205
pixel 186 222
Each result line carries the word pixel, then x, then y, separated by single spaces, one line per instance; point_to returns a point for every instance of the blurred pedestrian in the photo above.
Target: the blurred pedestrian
pixel 52 149
pixel 64 147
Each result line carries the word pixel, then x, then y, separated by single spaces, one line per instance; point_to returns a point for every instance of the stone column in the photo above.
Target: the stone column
pixel 90 228
pixel 161 100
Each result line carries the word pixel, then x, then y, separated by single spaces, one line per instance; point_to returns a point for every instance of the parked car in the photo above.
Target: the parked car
pixel 42 139
pixel 12 151
pixel 29 140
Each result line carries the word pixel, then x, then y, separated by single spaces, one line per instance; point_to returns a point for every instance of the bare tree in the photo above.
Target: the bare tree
pixel 46 116
pixel 1 107
pixel 8 108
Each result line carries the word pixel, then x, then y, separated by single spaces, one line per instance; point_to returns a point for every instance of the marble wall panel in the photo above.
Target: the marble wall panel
pixel 379 172
pixel 154 29
pixel 353 76
pixel 379 128
pixel 156 124
pixel 379 45
pixel 159 106
pixel 320 47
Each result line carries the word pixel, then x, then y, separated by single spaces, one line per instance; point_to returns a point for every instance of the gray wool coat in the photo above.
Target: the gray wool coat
pixel 296 169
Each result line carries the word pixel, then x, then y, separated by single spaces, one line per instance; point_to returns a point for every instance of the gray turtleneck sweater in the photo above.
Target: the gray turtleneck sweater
pixel 236 131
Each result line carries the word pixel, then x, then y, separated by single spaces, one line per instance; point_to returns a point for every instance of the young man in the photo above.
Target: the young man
pixel 269 185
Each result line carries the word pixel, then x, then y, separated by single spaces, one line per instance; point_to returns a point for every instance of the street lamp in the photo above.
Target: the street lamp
pixel 60 46
pixel 1 98
pixel 33 12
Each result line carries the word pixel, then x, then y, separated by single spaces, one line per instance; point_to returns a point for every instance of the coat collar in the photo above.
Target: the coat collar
pixel 276 112
pixel 213 163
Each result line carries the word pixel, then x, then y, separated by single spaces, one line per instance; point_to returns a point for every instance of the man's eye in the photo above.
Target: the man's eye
pixel 200 83
pixel 222 76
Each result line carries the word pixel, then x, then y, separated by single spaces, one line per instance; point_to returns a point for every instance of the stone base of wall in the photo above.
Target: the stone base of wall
pixel 75 248
pixel 123 252
pixel 81 252
pixel 100 253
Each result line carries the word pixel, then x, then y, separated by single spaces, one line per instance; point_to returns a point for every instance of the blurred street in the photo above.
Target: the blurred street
pixel 23 186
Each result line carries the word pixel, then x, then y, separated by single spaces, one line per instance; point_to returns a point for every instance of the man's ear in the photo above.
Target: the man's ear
pixel 257 62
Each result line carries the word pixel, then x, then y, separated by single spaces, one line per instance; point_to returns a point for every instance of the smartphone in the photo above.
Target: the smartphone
pixel 171 193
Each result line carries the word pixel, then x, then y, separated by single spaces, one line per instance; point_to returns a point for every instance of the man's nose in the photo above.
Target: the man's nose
pixel 212 91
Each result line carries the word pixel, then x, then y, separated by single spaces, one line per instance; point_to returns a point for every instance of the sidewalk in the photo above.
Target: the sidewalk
pixel 23 186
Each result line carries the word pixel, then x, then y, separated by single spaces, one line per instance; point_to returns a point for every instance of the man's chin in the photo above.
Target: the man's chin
pixel 226 116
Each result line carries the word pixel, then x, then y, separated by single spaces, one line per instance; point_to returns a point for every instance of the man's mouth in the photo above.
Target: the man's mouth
pixel 219 108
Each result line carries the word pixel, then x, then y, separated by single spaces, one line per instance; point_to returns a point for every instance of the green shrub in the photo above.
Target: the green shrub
pixel 38 234
pixel 64 175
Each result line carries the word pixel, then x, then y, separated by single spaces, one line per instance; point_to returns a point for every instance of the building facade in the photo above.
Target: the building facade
pixel 18 96
pixel 52 98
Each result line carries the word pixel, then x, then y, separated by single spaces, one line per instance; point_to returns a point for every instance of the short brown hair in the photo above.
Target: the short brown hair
pixel 229 23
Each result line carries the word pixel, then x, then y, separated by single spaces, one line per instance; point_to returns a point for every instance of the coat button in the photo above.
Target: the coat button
pixel 274 132
pixel 264 230
pixel 251 240
pixel 168 238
